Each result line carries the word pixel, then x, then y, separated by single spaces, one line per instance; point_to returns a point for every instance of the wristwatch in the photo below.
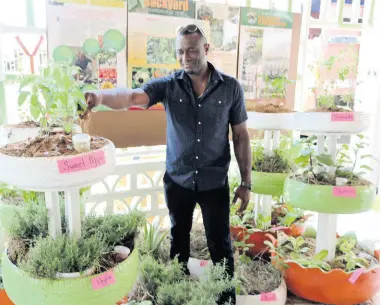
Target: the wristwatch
pixel 246 184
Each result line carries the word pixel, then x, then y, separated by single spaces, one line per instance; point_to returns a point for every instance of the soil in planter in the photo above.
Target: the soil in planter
pixel 258 276
pixel 269 108
pixel 272 164
pixel 310 243
pixel 198 244
pixel 323 179
pixel 330 109
pixel 27 124
pixel 48 146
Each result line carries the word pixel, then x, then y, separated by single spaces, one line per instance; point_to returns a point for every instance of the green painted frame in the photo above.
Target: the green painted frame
pixel 25 290
pixel 268 183
pixel 320 198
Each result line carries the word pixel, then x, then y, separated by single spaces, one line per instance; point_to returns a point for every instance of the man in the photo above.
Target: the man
pixel 200 103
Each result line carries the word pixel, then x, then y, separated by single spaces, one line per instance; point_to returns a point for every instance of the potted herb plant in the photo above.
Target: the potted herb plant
pixel 259 281
pixel 53 99
pixel 269 112
pixel 334 111
pixel 341 191
pixel 271 170
pixel 254 232
pixel 69 270
pixel 312 277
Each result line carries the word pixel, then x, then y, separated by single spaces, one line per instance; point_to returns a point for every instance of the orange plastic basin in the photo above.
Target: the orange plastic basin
pixel 4 300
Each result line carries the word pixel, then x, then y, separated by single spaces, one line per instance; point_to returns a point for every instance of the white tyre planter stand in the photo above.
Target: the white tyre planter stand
pixel 54 174
pixel 276 297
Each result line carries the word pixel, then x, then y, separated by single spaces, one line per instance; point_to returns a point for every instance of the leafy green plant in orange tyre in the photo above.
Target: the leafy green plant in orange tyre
pixel 311 277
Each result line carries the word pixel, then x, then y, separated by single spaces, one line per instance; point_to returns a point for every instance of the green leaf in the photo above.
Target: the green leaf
pixel 35 111
pixel 27 80
pixel 325 159
pixel 321 255
pixel 68 126
pixel 34 100
pixel 22 97
pixel 366 167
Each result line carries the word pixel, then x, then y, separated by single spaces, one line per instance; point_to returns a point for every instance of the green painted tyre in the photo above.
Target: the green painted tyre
pixel 7 212
pixel 268 183
pixel 320 198
pixel 25 290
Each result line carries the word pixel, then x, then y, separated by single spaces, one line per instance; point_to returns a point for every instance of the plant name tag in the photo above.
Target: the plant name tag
pixel 204 263
pixel 342 117
pixel 268 297
pixel 344 191
pixel 355 275
pixel 77 164
pixel 103 280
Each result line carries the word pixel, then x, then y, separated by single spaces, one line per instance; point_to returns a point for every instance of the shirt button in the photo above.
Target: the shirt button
pixel 196 157
pixel 193 182
pixel 181 100
pixel 198 140
pixel 196 172
pixel 219 102
pixel 199 105
pixel 199 123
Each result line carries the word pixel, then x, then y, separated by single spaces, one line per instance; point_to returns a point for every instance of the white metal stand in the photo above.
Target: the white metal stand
pixel 54 213
pixel 271 142
pixel 327 223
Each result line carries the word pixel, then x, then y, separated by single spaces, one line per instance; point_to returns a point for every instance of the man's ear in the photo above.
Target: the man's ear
pixel 207 46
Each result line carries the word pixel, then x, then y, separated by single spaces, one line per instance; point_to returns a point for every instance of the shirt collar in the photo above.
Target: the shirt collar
pixel 215 74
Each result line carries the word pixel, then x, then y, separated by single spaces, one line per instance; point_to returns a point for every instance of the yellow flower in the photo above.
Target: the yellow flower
pixel 107 85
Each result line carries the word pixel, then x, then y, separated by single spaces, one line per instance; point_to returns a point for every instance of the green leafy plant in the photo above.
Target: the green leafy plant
pixel 296 245
pixel 262 222
pixel 290 215
pixel 64 254
pixel 116 229
pixel 198 243
pixel 53 96
pixel 14 196
pixel 346 246
pixel 275 85
pixel 278 162
pixel 152 239
pixel 317 261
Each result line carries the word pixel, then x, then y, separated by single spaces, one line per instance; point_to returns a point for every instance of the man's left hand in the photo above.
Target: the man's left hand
pixel 242 193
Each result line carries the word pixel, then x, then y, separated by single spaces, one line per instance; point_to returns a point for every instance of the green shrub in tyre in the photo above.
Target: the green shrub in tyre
pixel 270 171
pixel 328 186
pixel 99 268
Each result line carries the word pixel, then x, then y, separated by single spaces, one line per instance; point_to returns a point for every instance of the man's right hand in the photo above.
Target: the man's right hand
pixel 93 99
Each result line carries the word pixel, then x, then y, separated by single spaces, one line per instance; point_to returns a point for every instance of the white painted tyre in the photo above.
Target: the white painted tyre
pixel 9 134
pixel 271 121
pixel 280 296
pixel 58 173
pixel 325 122
pixel 197 267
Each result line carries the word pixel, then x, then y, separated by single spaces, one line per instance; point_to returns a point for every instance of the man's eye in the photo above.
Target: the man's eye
pixel 179 52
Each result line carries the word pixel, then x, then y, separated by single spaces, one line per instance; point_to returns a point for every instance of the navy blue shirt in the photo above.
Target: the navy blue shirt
pixel 198 149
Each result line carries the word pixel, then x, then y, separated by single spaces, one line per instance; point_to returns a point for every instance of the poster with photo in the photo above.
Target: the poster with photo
pixel 151 41
pixel 90 34
pixel 265 49
pixel 169 8
pixel 221 26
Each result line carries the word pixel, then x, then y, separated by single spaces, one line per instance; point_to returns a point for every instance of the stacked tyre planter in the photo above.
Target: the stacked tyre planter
pixel 267 185
pixel 314 284
pixel 64 174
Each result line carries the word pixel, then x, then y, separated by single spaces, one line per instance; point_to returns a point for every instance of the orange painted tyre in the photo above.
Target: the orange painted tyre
pixel 4 300
pixel 332 287
pixel 258 238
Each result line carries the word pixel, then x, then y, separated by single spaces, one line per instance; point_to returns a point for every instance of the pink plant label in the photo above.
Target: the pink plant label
pixel 204 263
pixel 84 163
pixel 268 297
pixel 103 280
pixel 355 275
pixel 344 191
pixel 342 117
pixel 279 228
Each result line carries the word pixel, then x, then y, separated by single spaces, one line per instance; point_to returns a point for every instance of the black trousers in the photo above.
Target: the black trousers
pixel 215 208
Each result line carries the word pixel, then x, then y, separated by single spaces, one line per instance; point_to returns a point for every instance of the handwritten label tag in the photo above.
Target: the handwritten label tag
pixel 268 296
pixel 204 263
pixel 344 191
pixel 78 164
pixel 103 280
pixel 278 228
pixel 342 117
pixel 355 275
